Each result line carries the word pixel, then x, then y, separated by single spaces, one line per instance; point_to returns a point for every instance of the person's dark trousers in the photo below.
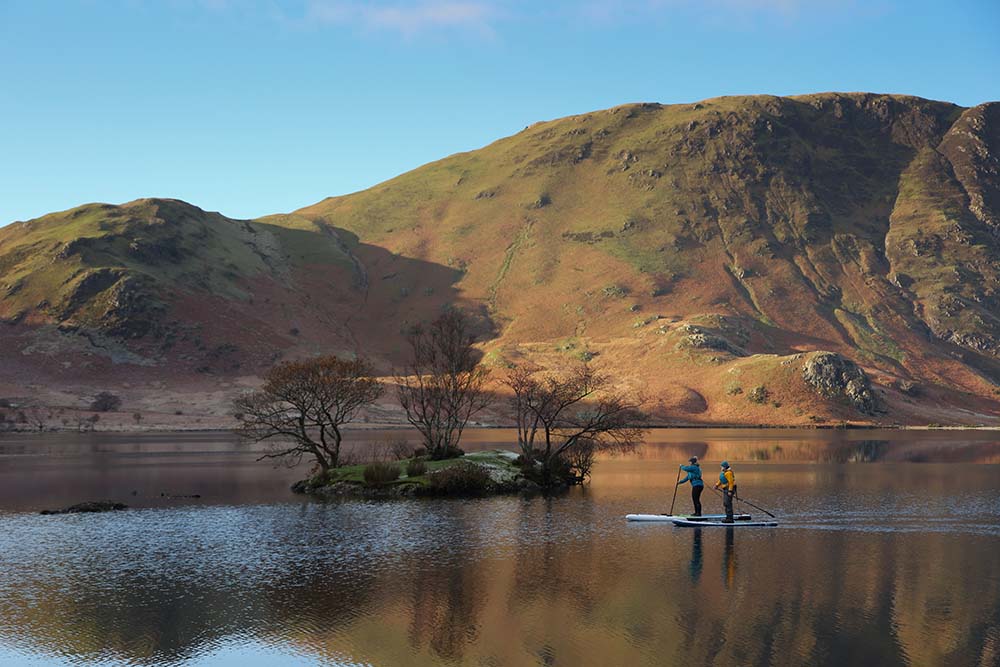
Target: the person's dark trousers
pixel 696 498
pixel 727 501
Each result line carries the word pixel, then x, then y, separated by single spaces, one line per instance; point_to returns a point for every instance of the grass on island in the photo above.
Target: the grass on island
pixel 500 464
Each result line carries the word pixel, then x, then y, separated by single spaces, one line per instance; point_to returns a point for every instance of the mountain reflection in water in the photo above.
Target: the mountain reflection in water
pixel 887 564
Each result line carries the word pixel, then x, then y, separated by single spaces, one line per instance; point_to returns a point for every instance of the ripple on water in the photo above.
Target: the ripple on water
pixel 501 581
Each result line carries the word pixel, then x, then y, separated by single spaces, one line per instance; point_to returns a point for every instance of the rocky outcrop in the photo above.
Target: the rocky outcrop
pixel 706 341
pixel 89 286
pixel 715 332
pixel 835 376
pixel 132 309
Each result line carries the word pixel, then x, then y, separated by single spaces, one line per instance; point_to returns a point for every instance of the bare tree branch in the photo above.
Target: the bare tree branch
pixel 576 414
pixel 302 406
pixel 443 386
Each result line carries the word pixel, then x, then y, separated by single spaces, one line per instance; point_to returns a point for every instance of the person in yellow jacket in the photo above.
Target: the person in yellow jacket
pixel 727 482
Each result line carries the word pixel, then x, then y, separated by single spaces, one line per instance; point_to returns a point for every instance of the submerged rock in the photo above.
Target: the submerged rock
pixel 89 507
pixel 835 376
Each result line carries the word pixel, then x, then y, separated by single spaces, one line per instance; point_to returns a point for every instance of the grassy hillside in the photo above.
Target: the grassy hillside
pixel 113 266
pixel 694 249
pixel 854 223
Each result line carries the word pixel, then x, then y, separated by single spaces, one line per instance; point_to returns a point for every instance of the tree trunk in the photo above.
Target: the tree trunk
pixel 336 446
pixel 324 463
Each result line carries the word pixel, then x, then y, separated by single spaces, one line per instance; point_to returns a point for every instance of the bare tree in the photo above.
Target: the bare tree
pixel 444 384
pixel 564 420
pixel 37 417
pixel 84 424
pixel 303 405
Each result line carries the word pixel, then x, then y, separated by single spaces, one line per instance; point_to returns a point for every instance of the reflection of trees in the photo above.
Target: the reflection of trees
pixel 447 599
pixel 446 605
pixel 864 451
pixel 552 592
pixel 540 571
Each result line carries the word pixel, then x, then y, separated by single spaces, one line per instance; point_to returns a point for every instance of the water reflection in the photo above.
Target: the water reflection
pixel 729 558
pixel 696 555
pixel 791 445
pixel 868 451
pixel 514 581
pixel 155 470
pixel 508 582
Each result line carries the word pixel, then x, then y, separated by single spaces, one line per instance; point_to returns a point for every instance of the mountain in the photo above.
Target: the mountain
pixel 742 259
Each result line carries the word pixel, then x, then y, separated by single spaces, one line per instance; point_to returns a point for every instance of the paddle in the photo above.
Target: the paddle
pixel 747 502
pixel 675 490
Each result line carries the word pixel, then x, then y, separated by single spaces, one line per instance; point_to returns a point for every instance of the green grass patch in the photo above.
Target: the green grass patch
pixel 355 474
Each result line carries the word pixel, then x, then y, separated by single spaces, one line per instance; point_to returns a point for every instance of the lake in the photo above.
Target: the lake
pixel 888 553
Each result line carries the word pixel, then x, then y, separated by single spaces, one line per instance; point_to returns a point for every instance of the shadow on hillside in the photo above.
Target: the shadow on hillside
pixel 374 296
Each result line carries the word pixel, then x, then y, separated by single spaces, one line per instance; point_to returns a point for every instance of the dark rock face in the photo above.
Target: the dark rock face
pixel 835 376
pixel 114 302
pixel 89 507
pixel 93 283
pixel 157 251
pixel 132 310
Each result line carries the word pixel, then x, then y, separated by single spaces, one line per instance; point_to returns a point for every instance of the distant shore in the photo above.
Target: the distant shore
pixel 402 427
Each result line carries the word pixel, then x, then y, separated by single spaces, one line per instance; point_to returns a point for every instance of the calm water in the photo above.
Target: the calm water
pixel 888 554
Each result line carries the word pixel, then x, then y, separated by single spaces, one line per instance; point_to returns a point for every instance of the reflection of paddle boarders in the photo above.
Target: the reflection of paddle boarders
pixel 727 482
pixel 729 558
pixel 697 485
pixel 696 561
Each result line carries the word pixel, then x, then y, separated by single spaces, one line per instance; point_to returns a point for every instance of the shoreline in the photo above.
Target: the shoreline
pixel 485 427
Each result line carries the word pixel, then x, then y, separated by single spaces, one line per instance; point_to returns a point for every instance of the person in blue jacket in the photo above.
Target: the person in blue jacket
pixel 697 486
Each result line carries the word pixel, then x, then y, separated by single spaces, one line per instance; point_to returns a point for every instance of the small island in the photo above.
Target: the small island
pixel 474 474
pixel 564 419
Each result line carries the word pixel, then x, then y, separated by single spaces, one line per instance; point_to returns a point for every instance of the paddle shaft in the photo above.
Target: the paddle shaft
pixel 747 502
pixel 676 484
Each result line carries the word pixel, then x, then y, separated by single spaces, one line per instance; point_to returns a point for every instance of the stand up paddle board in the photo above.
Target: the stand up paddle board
pixel 702 524
pixel 671 517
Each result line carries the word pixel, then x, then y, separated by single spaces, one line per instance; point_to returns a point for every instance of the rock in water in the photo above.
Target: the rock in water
pixel 94 506
pixel 836 376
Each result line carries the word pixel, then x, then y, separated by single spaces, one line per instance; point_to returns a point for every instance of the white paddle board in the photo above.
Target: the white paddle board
pixel 671 517
pixel 704 524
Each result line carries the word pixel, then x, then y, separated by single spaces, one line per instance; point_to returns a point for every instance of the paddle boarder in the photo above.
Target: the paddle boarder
pixel 697 485
pixel 727 482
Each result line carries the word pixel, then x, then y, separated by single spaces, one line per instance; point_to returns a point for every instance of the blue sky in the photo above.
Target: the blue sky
pixel 251 107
